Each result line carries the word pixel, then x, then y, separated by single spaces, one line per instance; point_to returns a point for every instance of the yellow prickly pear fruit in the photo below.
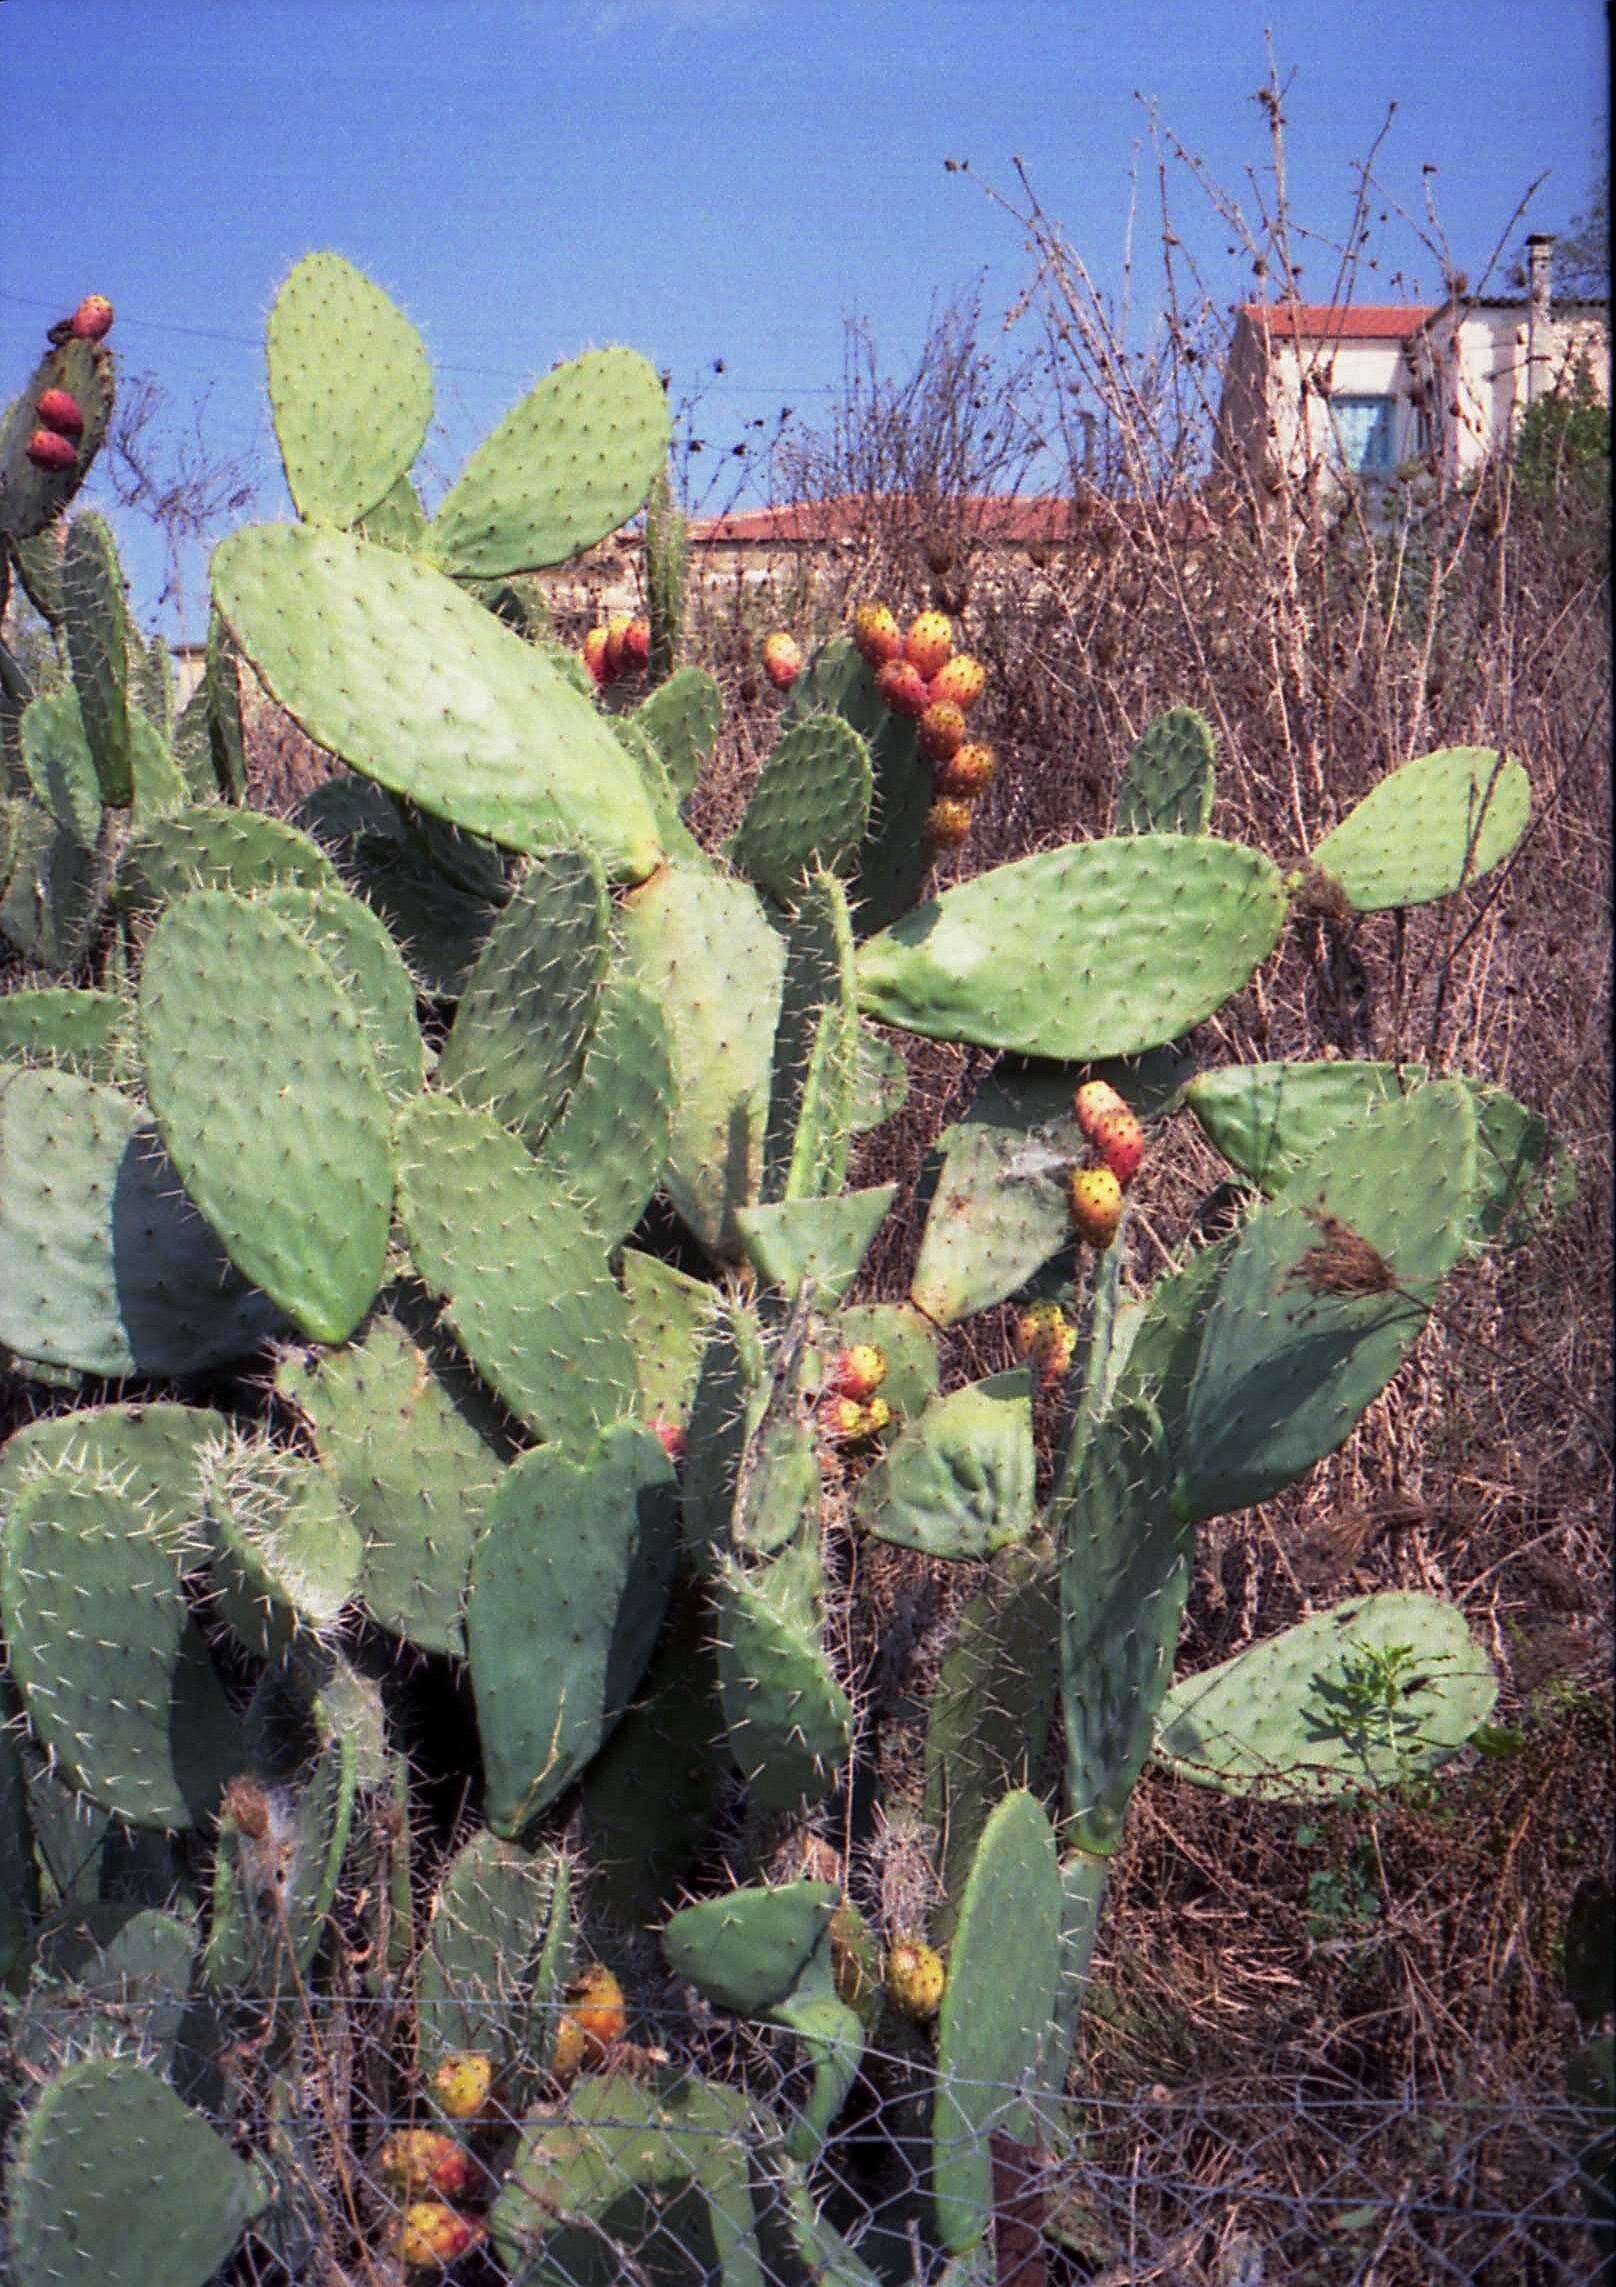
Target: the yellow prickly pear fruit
pixel 463 2083
pixel 877 636
pixel 432 2236
pixel 1046 1338
pixel 915 1978
pixel 961 681
pixel 1096 1205
pixel 942 730
pixel 967 771
pixel 947 823
pixel 928 643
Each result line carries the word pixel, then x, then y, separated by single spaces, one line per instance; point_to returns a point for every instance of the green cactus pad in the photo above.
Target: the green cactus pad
pixel 999 1209
pixel 903 1339
pixel 818 1241
pixel 668 1314
pixel 37 561
pixel 439 929
pixel 32 498
pixel 350 389
pixel 958 1482
pixel 271 1106
pixel 96 621
pixel 809 809
pixel 996 2006
pixel 678 841
pixel 1097 949
pixel 19 1869
pixel 1434 825
pixel 880 1082
pixel 1125 1573
pixel 1362 1697
pixel 747 1949
pixel 113 1671
pixel 159 782
pixel 60 767
pixel 1299 1341
pixel 832 2035
pixel 113 2182
pixel 988 1718
pixel 517 1043
pixel 104 1263
pixel 397 520
pixel 154 1451
pixel 60 1025
pixel 699 944
pixel 222 682
pixel 211 847
pixel 727 1401
pixel 51 899
pixel 1168 785
pixel 527 1291
pixel 370 969
pixel 789 1722
pixel 682 717
pixel 475 1984
pixel 151 684
pixel 1267 1119
pixel 565 467
pixel 412 1470
pixel 489 737
pixel 810 1124
pixel 609 1145
pixel 286 1555
pixel 893 858
pixel 569 1584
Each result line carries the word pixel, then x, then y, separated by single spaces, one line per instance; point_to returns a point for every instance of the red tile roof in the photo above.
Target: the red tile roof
pixel 1332 321
pixel 1016 519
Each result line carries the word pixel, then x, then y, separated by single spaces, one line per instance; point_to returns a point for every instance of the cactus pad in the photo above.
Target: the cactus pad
pixel 958 1482
pixel 789 1722
pixel 1168 785
pixel 350 389
pixel 61 1025
pixel 810 807
pixel 747 1949
pixel 682 717
pixel 1433 825
pixel 96 620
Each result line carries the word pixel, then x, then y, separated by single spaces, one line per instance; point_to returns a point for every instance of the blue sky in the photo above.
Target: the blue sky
pixel 701 178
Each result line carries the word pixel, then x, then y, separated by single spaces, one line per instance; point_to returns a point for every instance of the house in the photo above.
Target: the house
pixel 1359 391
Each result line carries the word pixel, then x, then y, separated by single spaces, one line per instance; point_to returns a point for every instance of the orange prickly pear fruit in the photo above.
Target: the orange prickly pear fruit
pixel 1095 1101
pixel 947 823
pixel 877 636
pixel 617 628
pixel 960 680
pixel 431 2236
pixel 636 645
pixel 942 730
pixel 915 1979
pixel 901 688
pixel 782 659
pixel 48 449
pixel 463 2083
pixel 1120 1142
pixel 928 643
pixel 1095 1197
pixel 967 771
pixel 595 656
pixel 422 2160
pixel 595 2001
pixel 857 1372
pixel 91 319
pixel 1046 1338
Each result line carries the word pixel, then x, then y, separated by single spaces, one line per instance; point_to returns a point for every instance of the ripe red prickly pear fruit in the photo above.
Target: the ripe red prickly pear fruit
pixel 967 770
pixel 91 319
pixel 857 1372
pixel 636 645
pixel 423 2160
pixel 901 689
pixel 1095 1101
pixel 928 643
pixel 617 628
pixel 49 450
pixel 59 409
pixel 1095 1198
pixel 942 730
pixel 432 2236
pixel 670 1437
pixel 595 656
pixel 782 659
pixel 877 636
pixel 947 823
pixel 1120 1142
pixel 960 680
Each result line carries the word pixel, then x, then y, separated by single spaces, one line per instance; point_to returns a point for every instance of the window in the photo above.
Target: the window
pixel 1366 433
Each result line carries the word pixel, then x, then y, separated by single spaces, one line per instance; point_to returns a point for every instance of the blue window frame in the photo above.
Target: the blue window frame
pixel 1366 431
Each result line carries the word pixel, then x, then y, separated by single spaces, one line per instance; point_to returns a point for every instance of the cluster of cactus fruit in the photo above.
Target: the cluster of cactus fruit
pixel 512 1129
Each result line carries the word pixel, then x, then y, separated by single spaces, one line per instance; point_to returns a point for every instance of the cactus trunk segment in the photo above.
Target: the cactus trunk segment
pixel 517 1043
pixel 524 1280
pixel 1324 1295
pixel 93 2179
pixel 276 1120
pixel 1098 949
pixel 275 1881
pixel 412 1470
pixel 809 809
pixel 667 565
pixel 97 625
pixel 57 1024
pixel 585 1550
pixel 892 858
pixel 113 1671
pixel 805 1144
pixel 1359 1698
pixel 1429 828
pixel 699 944
pixel 789 1722
pixel 1168 785
pixel 104 1263
pixel 385 662
pixel 996 2007
pixel 476 1988
pixel 349 424
pixel 565 467
pixel 748 1949
pixel 958 1482
pixel 681 718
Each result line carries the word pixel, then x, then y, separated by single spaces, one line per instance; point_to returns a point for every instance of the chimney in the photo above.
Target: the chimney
pixel 1539 304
